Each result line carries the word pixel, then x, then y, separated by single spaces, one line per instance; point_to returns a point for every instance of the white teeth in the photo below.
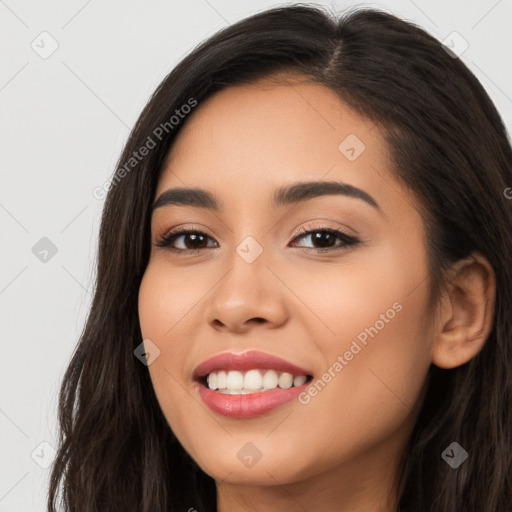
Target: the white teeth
pixel 235 380
pixel 221 380
pixel 285 380
pixel 299 380
pixel 252 381
pixel 270 380
pixel 212 381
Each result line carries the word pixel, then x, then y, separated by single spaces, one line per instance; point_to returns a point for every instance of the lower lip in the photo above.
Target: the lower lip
pixel 248 406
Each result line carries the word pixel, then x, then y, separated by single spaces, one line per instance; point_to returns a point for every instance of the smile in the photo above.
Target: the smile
pixel 253 381
pixel 248 384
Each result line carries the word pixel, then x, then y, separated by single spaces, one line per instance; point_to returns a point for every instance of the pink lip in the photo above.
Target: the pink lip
pixel 248 406
pixel 247 361
pixel 254 404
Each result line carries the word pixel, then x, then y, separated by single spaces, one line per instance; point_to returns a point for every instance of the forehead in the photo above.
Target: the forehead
pixel 258 136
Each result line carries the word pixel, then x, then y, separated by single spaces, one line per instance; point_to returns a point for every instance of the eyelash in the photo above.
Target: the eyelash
pixel 167 239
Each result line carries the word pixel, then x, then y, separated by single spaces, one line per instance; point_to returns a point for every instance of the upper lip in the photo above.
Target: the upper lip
pixel 246 361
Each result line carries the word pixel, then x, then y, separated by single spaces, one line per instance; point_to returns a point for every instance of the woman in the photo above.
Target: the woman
pixel 304 283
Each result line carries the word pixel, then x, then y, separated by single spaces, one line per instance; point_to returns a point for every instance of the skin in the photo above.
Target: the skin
pixel 343 447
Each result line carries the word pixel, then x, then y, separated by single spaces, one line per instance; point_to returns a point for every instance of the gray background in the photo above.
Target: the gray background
pixel 64 119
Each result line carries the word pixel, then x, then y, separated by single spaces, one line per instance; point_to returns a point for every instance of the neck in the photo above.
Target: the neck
pixel 365 483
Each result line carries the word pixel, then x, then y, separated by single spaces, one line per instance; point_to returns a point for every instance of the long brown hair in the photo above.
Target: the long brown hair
pixel 449 147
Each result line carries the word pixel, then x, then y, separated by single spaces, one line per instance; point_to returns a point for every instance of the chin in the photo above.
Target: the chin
pixel 243 463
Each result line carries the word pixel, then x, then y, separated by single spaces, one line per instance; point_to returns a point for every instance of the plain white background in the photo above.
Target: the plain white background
pixel 64 118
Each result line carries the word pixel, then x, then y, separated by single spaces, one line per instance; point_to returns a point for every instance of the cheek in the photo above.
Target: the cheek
pixel 375 343
pixel 376 363
pixel 159 312
pixel 167 298
pixel 166 305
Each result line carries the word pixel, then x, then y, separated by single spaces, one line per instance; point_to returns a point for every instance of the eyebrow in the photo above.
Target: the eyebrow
pixel 286 195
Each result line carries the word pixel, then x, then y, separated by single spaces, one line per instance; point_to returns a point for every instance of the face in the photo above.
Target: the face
pixel 331 279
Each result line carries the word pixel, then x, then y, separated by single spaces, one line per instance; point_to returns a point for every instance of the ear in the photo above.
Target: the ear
pixel 466 312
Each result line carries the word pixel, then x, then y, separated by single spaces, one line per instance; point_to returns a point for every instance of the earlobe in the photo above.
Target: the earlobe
pixel 466 312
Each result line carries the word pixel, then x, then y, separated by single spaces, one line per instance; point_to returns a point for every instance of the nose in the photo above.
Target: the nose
pixel 248 295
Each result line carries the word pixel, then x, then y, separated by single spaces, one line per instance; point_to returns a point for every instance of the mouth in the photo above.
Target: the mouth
pixel 249 384
pixel 256 380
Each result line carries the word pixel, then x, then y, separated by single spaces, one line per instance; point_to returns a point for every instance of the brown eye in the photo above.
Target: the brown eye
pixel 325 239
pixel 191 240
